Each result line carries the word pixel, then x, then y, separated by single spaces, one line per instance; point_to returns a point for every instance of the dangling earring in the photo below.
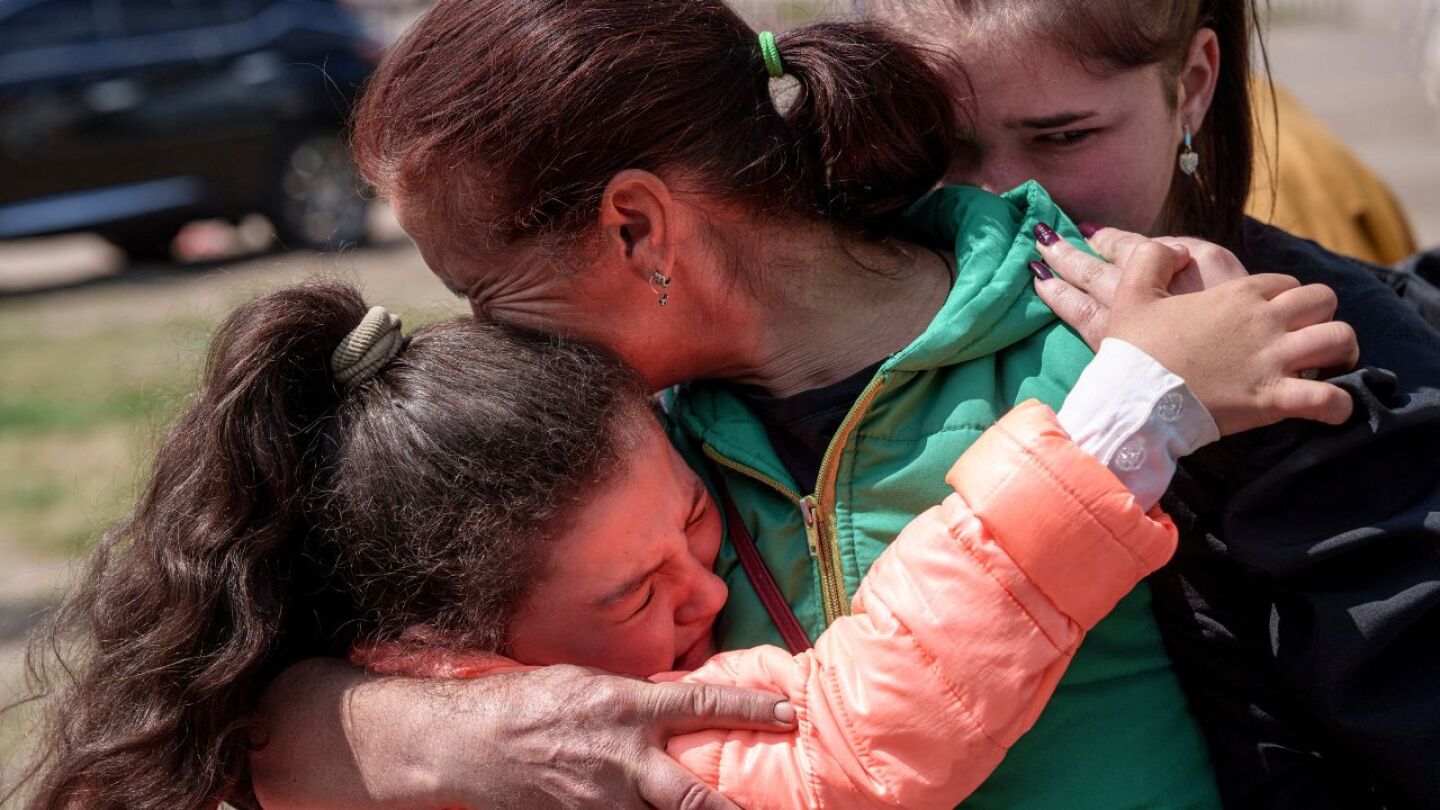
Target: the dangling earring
pixel 660 285
pixel 1189 159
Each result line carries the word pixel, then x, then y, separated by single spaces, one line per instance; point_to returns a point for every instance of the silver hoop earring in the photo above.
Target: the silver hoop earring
pixel 660 285
pixel 1189 159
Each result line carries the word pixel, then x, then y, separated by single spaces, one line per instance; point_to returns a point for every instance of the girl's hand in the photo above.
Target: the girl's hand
pixel 1241 345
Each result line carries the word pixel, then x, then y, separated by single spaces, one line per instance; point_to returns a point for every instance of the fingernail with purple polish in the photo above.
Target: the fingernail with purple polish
pixel 1089 229
pixel 1041 271
pixel 1046 234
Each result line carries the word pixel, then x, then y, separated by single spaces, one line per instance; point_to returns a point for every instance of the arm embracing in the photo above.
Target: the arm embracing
pixel 338 737
pixel 1342 528
pixel 553 737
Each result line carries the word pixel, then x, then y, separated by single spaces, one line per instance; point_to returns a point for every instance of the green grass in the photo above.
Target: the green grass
pixel 792 13
pixel 79 409
pixel 119 374
pixel 1280 14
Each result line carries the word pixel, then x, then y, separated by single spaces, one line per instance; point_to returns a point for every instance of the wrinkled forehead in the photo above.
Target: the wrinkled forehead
pixel 617 530
pixel 460 274
pixel 438 254
pixel 469 263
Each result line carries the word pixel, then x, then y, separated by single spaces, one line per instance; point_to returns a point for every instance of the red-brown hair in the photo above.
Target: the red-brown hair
pixel 497 121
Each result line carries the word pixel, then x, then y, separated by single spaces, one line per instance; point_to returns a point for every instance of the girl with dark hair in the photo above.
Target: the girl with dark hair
pixel 1097 98
pixel 619 171
pixel 286 515
pixel 434 502
pixel 1138 114
pixel 1146 117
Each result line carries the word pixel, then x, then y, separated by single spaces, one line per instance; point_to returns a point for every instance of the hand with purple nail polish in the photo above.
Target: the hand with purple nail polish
pixel 1045 235
pixel 1041 271
pixel 1241 345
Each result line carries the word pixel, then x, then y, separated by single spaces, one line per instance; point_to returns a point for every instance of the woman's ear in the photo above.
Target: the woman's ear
pixel 1198 77
pixel 637 218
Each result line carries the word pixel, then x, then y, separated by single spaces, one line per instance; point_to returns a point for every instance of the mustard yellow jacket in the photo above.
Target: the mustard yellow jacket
pixel 1309 183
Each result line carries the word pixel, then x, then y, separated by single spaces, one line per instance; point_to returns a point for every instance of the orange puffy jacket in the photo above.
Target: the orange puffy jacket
pixel 957 638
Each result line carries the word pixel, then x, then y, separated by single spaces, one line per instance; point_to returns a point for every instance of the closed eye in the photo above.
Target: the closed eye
pixel 1069 137
pixel 698 504
pixel 696 515
pixel 649 597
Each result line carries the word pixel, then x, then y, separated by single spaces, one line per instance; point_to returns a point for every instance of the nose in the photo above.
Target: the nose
pixel 990 185
pixel 993 178
pixel 995 170
pixel 707 596
pixel 970 179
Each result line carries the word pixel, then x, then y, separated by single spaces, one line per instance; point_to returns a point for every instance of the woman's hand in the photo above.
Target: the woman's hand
pixel 577 737
pixel 552 737
pixel 1242 344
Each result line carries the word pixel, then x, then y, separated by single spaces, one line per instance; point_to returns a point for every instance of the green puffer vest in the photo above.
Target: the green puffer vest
pixel 1117 733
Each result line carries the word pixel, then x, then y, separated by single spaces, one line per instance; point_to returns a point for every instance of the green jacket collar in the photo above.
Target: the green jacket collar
pixel 993 303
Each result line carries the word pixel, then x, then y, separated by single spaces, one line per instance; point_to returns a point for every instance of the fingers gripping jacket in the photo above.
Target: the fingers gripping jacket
pixel 367 348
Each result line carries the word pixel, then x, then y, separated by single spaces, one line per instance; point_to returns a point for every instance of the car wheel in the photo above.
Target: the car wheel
pixel 144 243
pixel 316 196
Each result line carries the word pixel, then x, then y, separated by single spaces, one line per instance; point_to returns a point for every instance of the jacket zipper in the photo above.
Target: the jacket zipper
pixel 817 510
pixel 832 572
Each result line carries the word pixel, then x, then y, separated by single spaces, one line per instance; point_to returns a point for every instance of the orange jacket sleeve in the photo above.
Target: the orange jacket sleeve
pixel 959 634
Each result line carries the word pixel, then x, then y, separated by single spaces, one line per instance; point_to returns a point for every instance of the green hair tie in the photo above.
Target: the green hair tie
pixel 771 52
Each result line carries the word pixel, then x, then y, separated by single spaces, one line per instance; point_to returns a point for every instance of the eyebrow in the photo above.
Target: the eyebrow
pixel 630 586
pixel 1050 121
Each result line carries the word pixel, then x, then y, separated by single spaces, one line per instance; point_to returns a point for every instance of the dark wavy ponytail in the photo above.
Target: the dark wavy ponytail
pixel 169 635
pixel 506 120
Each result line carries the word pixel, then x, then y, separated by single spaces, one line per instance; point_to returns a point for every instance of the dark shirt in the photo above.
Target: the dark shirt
pixel 1415 280
pixel 1302 609
pixel 801 426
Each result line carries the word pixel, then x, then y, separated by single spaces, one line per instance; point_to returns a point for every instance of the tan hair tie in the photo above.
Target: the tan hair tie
pixel 367 348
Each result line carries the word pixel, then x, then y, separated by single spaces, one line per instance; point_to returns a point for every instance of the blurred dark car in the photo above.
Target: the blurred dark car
pixel 133 117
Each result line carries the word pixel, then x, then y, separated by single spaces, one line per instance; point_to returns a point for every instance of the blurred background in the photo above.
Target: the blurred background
pixel 163 160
